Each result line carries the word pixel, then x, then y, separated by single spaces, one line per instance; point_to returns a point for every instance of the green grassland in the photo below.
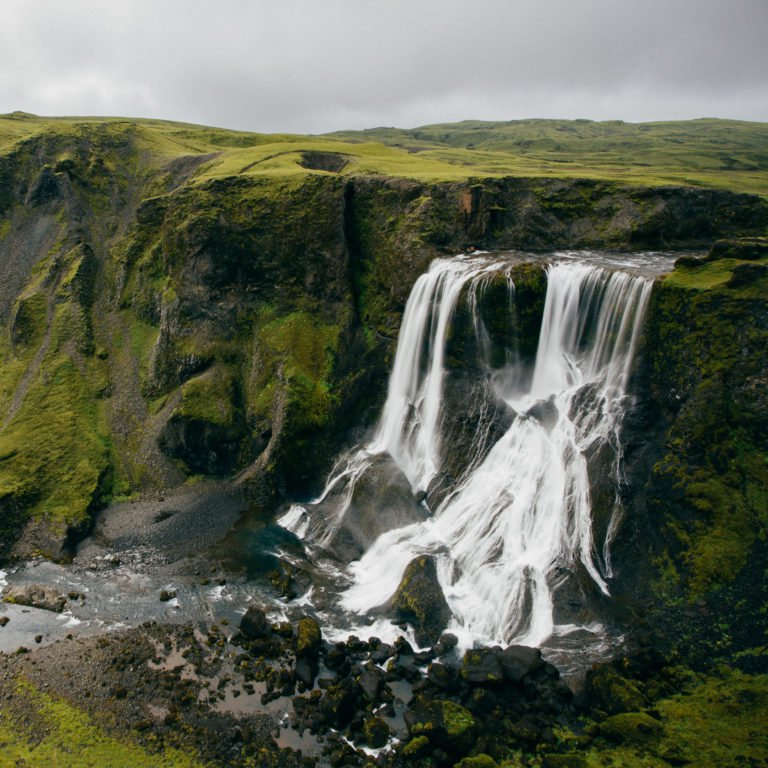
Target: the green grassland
pixel 54 733
pixel 725 154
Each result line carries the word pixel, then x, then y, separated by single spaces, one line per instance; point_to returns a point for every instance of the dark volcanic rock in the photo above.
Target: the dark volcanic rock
pixel 254 624
pixel 420 602
pixel 519 660
pixel 446 724
pixel 482 666
pixel 382 500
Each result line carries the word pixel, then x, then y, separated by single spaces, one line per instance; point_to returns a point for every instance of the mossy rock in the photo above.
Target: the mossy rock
pixel 477 761
pixel 630 727
pixel 308 638
pixel 417 748
pixel 376 732
pixel 612 693
pixel 447 725
pixel 419 601
pixel 564 761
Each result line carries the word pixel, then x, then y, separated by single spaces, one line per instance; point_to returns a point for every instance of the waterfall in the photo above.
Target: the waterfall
pixel 516 526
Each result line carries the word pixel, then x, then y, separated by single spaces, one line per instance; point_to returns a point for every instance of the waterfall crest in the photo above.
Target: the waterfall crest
pixel 516 525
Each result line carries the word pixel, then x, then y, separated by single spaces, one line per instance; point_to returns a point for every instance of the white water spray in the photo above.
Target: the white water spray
pixel 518 522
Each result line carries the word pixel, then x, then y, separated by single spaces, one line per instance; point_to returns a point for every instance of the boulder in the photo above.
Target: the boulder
pixel 36 596
pixel 446 724
pixel 308 638
pixel 482 667
pixel 376 732
pixel 254 624
pixel 382 499
pixel 419 601
pixel 307 670
pixel 605 689
pixel 371 681
pixel 519 660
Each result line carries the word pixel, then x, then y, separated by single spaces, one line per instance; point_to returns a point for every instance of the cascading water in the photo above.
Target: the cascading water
pixel 515 527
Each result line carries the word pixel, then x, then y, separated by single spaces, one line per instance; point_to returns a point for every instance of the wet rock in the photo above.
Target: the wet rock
pixel 382 653
pixel 443 677
pixel 339 704
pixel 375 732
pixel 167 594
pixel 447 642
pixel 517 661
pixel 371 681
pixel 382 500
pixel 336 657
pixel 4 620
pixel 254 624
pixel 482 667
pixel 308 638
pixel 306 671
pixel 446 724
pixel 419 601
pixel 36 596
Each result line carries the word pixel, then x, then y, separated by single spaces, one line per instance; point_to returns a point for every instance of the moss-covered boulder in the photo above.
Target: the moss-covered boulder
pixel 630 727
pixel 308 638
pixel 607 690
pixel 477 761
pixel 376 732
pixel 420 602
pixel 446 724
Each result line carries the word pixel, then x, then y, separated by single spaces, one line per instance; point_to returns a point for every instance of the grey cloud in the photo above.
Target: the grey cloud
pixel 309 66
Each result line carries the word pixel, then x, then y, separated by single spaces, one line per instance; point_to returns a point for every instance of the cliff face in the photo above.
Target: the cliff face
pixel 694 540
pixel 157 323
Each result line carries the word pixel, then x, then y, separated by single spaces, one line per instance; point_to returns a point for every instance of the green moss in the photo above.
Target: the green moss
pixel 62 736
pixel 478 761
pixel 308 637
pixel 416 748
pixel 715 720
pixel 210 397
pixel 376 732
pixel 707 276
pixel 143 336
pixel 54 457
pixel 298 349
pixel 708 489
pixel 29 320
pixel 630 727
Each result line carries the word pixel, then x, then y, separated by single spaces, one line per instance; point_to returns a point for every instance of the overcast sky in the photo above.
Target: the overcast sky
pixel 312 66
